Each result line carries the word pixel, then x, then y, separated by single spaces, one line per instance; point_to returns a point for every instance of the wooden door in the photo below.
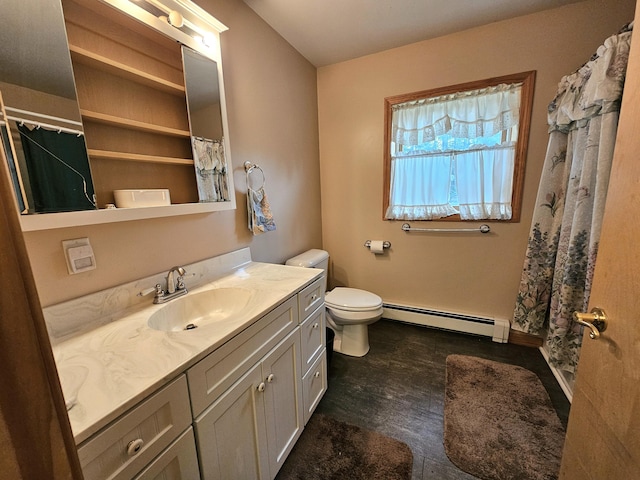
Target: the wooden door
pixel 603 436
pixel 35 435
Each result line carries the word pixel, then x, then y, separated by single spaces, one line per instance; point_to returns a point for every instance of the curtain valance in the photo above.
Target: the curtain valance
pixel 470 114
pixel 595 88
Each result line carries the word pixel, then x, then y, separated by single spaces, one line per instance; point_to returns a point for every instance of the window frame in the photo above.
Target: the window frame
pixel 526 106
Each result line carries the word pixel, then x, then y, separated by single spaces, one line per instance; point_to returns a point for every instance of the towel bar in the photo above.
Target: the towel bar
pixel 484 228
pixel 250 167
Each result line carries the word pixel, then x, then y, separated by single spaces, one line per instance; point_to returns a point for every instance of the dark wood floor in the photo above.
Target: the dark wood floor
pixel 398 388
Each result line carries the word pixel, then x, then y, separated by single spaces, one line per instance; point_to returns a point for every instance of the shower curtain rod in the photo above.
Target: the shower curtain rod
pixel 43 116
pixel 39 124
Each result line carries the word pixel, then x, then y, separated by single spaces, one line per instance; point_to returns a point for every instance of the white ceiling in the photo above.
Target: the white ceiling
pixel 331 31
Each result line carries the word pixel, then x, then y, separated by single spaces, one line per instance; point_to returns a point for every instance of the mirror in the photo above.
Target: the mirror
pixel 127 149
pixel 205 122
pixel 49 162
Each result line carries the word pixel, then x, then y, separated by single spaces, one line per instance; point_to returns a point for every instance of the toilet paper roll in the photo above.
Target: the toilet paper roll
pixel 377 247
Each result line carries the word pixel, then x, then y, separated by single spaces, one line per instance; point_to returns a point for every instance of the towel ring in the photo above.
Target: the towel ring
pixel 249 168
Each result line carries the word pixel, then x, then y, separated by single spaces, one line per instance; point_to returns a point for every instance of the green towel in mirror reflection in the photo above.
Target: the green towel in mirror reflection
pixel 58 171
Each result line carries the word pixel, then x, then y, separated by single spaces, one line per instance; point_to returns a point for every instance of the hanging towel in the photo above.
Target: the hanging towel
pixel 259 211
pixel 58 170
pixel 211 169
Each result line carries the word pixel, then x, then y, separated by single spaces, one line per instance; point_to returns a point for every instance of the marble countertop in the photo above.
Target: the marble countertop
pixel 108 369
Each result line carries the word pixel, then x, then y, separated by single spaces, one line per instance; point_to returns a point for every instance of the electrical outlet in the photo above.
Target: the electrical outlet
pixel 79 255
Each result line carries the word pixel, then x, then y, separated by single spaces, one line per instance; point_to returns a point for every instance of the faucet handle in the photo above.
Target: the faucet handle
pixel 157 290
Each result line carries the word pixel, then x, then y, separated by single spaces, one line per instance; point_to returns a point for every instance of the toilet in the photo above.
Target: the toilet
pixel 350 311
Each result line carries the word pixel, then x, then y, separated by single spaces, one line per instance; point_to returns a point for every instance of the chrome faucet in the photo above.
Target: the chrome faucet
pixel 175 287
pixel 178 284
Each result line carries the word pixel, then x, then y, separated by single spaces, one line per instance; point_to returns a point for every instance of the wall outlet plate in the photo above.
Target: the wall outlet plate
pixel 79 255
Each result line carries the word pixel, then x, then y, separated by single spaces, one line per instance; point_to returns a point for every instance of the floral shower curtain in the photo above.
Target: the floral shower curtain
pixel 563 241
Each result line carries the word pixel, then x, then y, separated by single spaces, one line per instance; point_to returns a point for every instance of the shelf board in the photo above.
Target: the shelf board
pixel 137 157
pixel 49 221
pixel 132 124
pixel 91 59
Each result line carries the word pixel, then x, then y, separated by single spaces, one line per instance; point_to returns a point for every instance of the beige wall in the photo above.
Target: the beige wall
pixel 272 104
pixel 466 273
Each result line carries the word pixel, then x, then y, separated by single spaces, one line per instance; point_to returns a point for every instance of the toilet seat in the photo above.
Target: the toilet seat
pixel 352 300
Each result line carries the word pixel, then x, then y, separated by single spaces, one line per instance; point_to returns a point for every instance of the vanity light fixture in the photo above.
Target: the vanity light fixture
pixel 175 19
pixel 208 39
pixel 183 15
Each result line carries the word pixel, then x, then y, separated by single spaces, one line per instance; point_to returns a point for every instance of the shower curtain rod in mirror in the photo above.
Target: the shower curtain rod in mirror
pixel 39 124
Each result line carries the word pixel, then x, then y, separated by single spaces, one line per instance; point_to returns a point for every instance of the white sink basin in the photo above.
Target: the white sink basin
pixel 200 309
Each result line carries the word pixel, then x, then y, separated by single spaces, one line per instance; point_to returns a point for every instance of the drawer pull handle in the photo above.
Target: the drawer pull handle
pixel 317 374
pixel 313 297
pixel 134 446
pixel 271 377
pixel 316 325
pixel 261 387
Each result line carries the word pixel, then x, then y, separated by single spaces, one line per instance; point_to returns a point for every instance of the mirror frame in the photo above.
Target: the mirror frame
pixel 194 16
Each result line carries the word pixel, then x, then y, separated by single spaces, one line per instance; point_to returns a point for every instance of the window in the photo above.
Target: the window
pixel 458 152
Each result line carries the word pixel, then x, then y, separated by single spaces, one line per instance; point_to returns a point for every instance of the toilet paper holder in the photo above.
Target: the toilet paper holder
pixel 385 244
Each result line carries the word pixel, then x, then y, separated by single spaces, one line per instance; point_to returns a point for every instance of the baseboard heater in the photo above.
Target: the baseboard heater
pixel 497 329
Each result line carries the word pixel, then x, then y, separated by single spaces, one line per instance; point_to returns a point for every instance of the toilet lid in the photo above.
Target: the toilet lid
pixel 352 299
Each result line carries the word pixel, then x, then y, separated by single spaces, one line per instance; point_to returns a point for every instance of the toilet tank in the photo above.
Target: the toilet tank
pixel 313 258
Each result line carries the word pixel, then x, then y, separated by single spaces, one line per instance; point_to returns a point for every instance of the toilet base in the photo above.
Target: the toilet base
pixel 352 340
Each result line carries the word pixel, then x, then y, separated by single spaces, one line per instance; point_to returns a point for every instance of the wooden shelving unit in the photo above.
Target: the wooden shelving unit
pixel 132 124
pixel 91 59
pixel 131 94
pixel 137 157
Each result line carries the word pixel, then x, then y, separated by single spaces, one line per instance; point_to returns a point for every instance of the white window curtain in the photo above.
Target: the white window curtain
pixel 428 134
pixel 420 187
pixel 485 183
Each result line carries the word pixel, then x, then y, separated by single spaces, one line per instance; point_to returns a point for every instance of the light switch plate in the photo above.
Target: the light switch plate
pixel 79 255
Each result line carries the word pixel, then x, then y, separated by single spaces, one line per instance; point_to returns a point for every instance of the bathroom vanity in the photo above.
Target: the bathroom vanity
pixel 226 399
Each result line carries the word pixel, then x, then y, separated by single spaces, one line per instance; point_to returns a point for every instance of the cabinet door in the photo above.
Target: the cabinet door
pixel 231 434
pixel 283 399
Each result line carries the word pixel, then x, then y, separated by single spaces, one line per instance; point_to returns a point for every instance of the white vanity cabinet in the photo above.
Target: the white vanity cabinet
pixel 253 386
pixel 249 431
pixel 124 448
pixel 234 414
pixel 250 428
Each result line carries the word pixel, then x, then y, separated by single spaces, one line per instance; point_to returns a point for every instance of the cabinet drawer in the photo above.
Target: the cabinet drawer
pixel 152 425
pixel 314 384
pixel 178 462
pixel 312 334
pixel 209 378
pixel 310 298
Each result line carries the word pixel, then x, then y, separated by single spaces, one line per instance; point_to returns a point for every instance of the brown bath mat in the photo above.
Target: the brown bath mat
pixel 499 422
pixel 329 449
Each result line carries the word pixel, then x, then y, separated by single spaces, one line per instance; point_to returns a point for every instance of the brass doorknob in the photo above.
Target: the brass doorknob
pixel 596 321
